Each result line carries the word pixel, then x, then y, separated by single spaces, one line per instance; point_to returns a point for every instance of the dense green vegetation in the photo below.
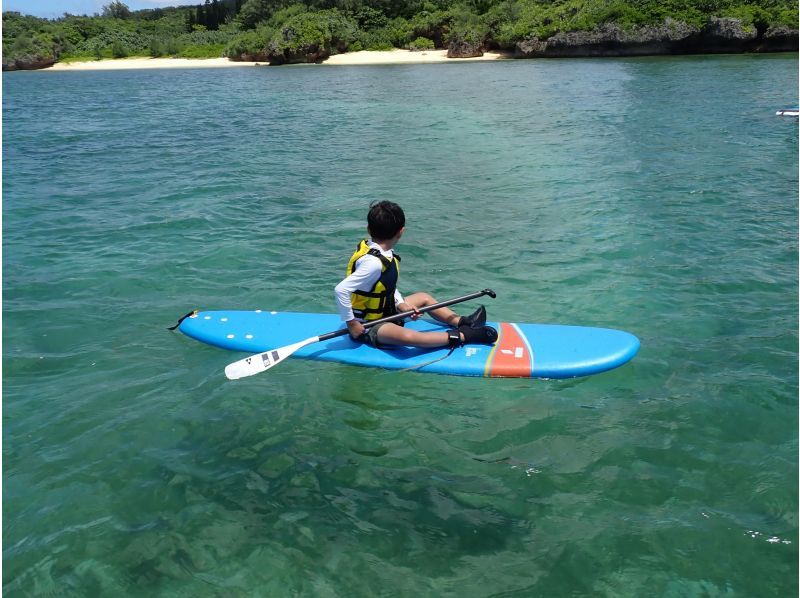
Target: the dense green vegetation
pixel 201 31
pixel 261 28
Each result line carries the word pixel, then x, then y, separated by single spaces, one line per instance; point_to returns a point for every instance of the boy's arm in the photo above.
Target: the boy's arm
pixel 364 276
pixel 403 306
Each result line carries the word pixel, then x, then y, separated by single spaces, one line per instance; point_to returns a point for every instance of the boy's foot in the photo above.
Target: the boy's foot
pixel 480 335
pixel 475 319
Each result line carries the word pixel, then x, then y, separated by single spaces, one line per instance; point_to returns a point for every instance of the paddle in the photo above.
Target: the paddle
pixel 261 362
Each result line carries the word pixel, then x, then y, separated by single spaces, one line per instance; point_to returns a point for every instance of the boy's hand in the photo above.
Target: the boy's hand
pixel 356 328
pixel 406 307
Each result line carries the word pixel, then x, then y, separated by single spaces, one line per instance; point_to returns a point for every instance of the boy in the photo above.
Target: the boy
pixel 369 292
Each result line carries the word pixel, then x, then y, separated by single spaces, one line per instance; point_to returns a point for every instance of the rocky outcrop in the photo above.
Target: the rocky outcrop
pixel 464 49
pixel 260 57
pixel 305 54
pixel 27 63
pixel 311 35
pixel 727 35
pixel 778 39
pixel 611 40
pixel 672 37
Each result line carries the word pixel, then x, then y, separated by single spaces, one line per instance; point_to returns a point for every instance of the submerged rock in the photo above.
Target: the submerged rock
pixel 275 466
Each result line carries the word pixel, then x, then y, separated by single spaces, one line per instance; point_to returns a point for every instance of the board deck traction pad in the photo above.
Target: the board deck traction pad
pixel 521 351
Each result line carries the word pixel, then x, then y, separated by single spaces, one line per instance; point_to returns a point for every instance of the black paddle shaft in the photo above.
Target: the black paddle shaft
pixel 406 314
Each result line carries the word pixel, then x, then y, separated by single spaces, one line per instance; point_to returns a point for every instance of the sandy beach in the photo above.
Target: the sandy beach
pixel 348 59
pixel 403 57
pixel 148 63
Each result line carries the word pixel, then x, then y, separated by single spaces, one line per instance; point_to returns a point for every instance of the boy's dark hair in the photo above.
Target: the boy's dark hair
pixel 385 219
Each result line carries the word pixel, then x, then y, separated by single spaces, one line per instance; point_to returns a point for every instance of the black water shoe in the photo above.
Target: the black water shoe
pixel 475 319
pixel 481 335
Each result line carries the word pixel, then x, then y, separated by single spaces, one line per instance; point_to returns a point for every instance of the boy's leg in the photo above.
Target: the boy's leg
pixel 392 334
pixel 443 314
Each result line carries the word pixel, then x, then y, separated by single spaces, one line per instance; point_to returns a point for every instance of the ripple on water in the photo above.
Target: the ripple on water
pixel 593 192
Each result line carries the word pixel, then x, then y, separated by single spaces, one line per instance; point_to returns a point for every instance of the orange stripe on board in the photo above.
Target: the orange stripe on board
pixel 510 356
pixel 487 368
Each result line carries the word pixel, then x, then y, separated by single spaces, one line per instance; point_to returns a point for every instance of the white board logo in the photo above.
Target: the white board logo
pixel 518 352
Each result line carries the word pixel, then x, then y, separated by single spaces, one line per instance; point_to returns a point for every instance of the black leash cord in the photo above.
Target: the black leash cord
pixel 191 313
pixel 422 365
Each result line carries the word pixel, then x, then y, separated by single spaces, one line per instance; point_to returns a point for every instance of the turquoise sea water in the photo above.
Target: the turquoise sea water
pixel 656 195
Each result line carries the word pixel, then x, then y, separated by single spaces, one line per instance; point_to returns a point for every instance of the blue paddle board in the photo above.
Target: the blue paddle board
pixel 521 351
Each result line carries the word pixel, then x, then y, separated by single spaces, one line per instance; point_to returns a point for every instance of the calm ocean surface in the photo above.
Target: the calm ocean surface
pixel 656 195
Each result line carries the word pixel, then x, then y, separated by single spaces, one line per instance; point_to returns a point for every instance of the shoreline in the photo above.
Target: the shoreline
pixel 397 56
pixel 118 64
pixel 365 57
pixel 361 58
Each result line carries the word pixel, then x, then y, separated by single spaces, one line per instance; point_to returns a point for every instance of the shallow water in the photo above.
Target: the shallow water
pixel 656 195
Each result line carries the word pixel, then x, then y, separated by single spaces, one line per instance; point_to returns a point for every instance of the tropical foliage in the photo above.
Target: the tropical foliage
pixel 241 28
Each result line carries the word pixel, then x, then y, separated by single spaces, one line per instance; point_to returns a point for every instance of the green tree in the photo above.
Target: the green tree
pixel 327 30
pixel 251 42
pixel 254 12
pixel 118 49
pixel 292 27
pixel 156 47
pixel 421 43
pixel 117 10
pixel 369 18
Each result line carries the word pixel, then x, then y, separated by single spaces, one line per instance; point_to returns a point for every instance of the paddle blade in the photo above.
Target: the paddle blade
pixel 255 364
